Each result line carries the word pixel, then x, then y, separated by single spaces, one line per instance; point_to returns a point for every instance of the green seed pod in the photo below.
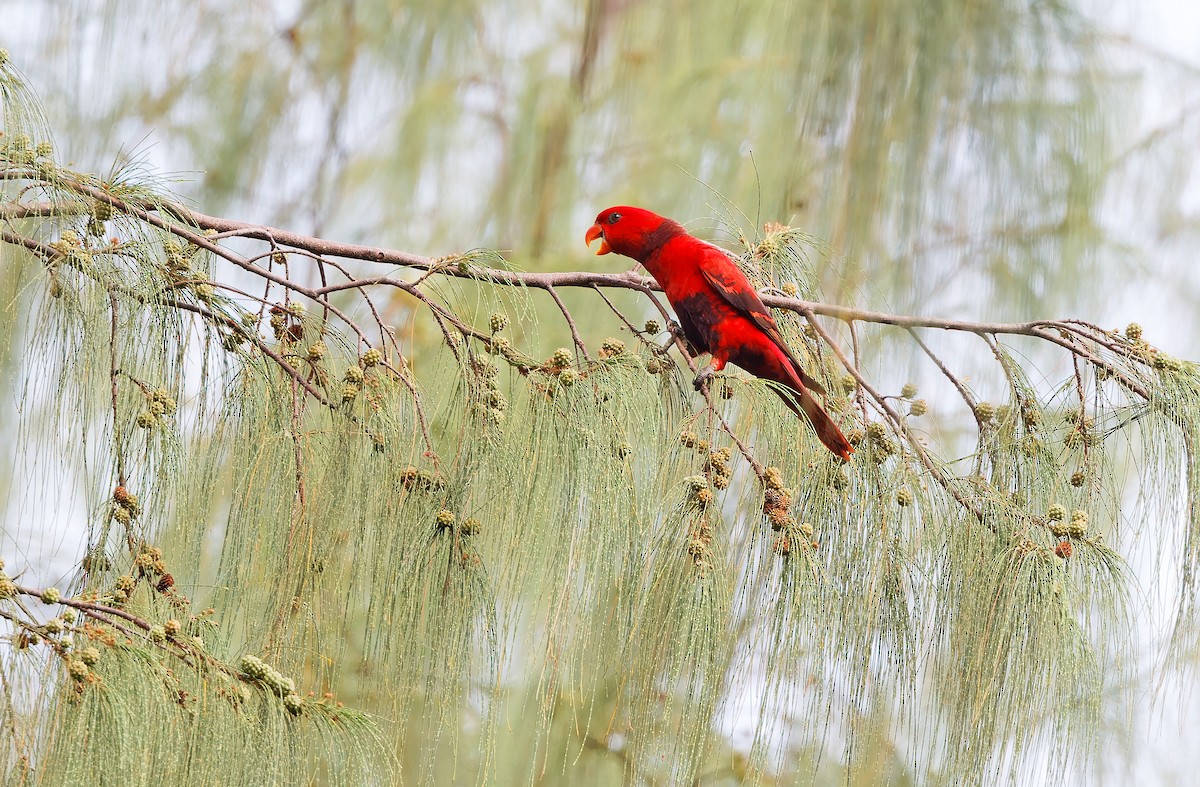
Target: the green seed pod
pixel 205 292
pixel 354 376
pixel 1056 512
pixel 562 358
pixel 156 408
pixel 372 357
pixel 159 634
pixel 172 627
pixel 908 391
pixel 904 497
pixel 68 616
pixel 78 670
pixel 94 561
pixel 485 368
pixel 470 526
pixel 1166 363
pixel 1079 523
pixel 498 322
pixel 611 347
pixel 293 704
pixel 317 351
pixel 877 432
pixel 51 596
pixel 652 327
pixel 653 365
pixel 568 377
pixel 349 391
pixel 985 411
pixel 688 439
pixel 122 515
pixel 1077 478
pixel 89 656
pixel 918 408
pixel 806 529
pixel 163 396
pixel 8 588
pixel 54 626
pixel 790 289
pixel 1133 331
pixel 704 496
pixel 773 478
pixel 445 518
pixel 126 583
pixel 720 481
pixel 44 149
pixel 696 482
pixel 249 665
pixel 849 383
pixel 496 400
pixel 146 419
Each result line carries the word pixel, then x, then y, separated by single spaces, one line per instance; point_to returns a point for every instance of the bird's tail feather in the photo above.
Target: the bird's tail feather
pixel 827 431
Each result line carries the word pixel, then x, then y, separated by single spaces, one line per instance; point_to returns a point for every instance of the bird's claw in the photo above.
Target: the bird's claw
pixel 703 377
pixel 675 329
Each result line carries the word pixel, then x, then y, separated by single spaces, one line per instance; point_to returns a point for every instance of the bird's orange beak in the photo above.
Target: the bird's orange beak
pixel 594 232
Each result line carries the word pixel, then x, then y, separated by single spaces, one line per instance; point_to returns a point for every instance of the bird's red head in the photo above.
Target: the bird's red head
pixel 632 232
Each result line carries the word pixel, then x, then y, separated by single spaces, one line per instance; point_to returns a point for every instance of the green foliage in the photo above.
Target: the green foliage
pixel 516 569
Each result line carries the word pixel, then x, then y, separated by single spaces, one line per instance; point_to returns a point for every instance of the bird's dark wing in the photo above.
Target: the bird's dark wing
pixel 728 281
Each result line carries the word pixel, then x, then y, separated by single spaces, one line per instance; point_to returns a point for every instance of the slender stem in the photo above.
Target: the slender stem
pixel 562 307
pixel 962 389
pixel 898 424
pixel 114 373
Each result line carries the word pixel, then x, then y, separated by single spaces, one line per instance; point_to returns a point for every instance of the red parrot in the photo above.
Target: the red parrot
pixel 719 311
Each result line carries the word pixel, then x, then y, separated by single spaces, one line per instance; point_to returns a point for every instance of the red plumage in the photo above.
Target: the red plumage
pixel 718 309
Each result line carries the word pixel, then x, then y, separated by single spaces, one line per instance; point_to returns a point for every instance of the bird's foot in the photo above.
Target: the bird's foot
pixel 675 329
pixel 703 377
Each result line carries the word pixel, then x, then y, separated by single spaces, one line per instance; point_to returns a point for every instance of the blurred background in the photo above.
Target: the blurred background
pixel 981 159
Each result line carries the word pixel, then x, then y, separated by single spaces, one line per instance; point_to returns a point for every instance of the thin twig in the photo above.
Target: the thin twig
pixel 962 389
pixel 575 337
pixel 114 373
pixel 897 422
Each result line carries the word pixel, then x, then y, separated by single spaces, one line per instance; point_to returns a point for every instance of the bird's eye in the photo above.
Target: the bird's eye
pixel 613 218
